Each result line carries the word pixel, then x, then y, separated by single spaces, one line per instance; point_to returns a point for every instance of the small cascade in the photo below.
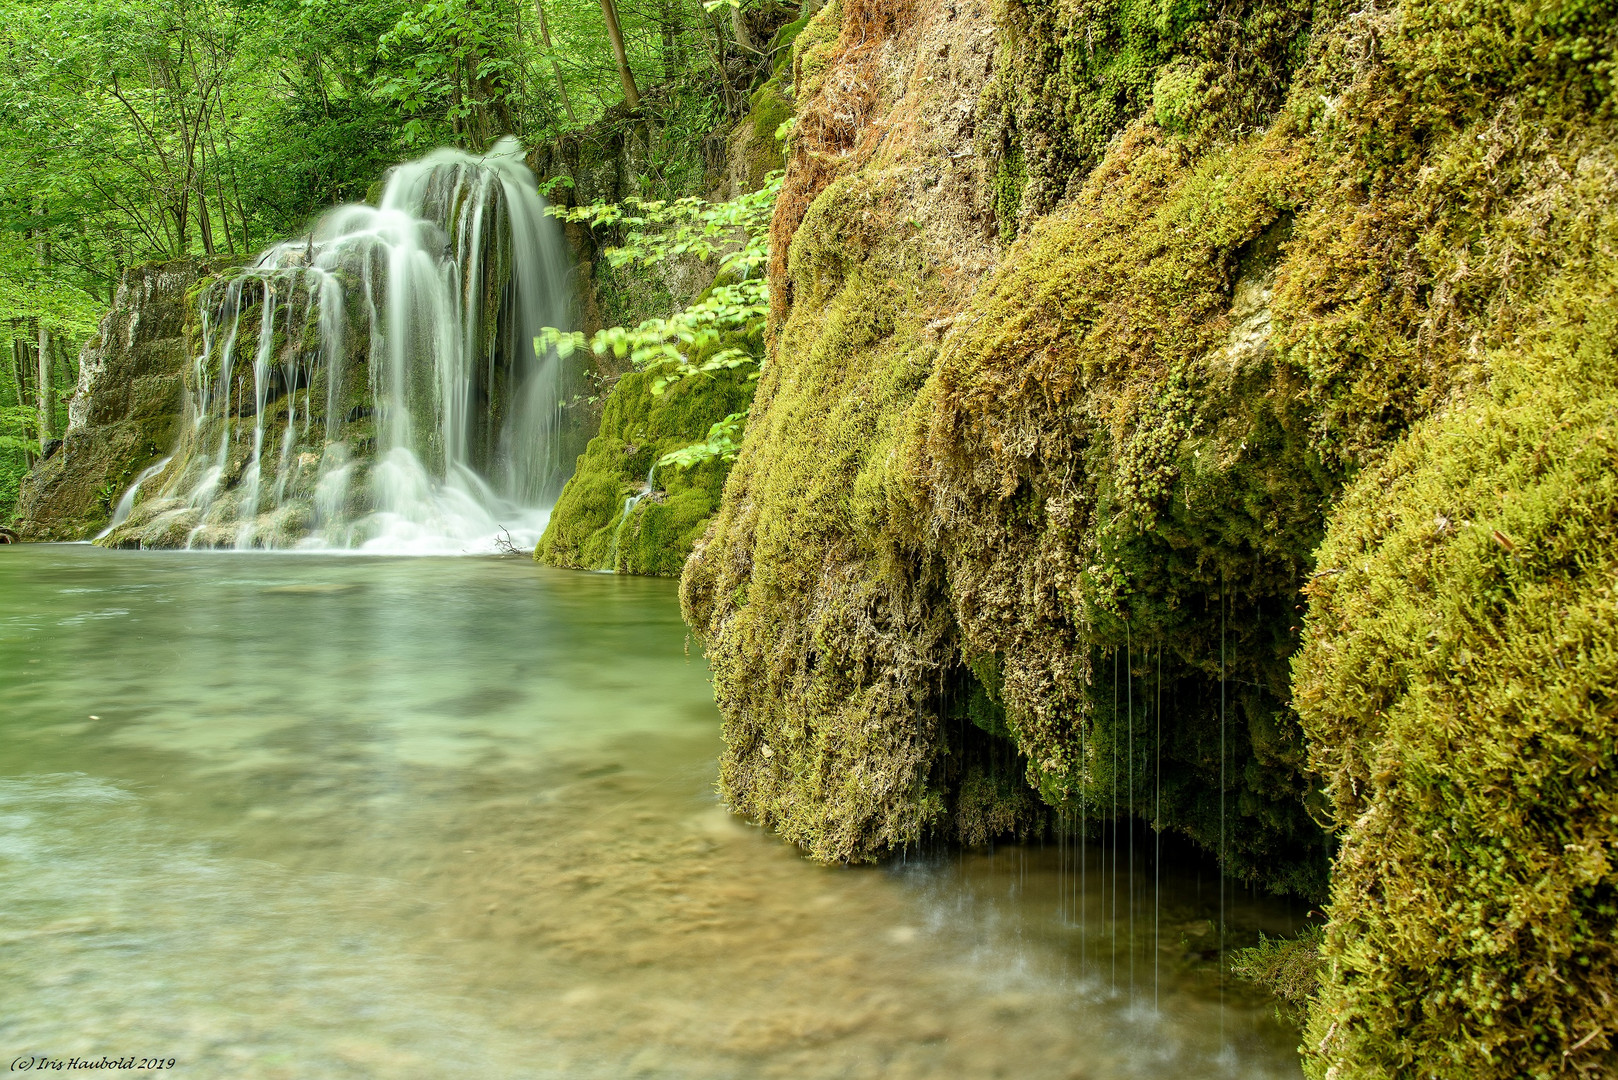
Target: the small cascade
pixel 374 384
pixel 1222 855
pixel 120 513
pixel 629 509
pixel 1114 738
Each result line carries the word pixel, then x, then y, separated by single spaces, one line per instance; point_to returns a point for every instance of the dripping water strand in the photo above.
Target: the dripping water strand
pixel 629 509
pixel 1157 841
pixel 1113 922
pixel 1222 862
pixel 1129 697
pixel 127 504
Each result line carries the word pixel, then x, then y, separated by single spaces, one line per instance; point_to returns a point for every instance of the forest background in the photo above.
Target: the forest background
pixel 142 130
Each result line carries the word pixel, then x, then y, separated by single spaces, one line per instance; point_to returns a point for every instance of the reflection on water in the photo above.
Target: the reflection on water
pixel 297 816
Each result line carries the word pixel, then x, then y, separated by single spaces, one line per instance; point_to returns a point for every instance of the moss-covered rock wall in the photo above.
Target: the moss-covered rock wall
pixel 1106 336
pixel 844 696
pixel 319 401
pixel 125 413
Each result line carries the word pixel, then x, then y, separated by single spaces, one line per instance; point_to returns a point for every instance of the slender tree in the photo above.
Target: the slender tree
pixel 545 39
pixel 47 407
pixel 615 34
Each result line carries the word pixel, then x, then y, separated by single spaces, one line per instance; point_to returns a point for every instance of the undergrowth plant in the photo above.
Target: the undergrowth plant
pixel 722 330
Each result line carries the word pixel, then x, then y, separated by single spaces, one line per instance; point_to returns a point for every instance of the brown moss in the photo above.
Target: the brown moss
pixel 838 82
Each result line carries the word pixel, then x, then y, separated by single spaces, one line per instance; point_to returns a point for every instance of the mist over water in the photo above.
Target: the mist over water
pixel 301 816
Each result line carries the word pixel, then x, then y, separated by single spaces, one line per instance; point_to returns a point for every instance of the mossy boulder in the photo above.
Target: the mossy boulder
pixel 753 151
pixel 622 512
pixel 846 706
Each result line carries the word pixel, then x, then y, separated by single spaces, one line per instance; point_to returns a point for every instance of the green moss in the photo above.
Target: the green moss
pixel 1171 506
pixel 1458 682
pixel 1072 74
pixel 1264 252
pixel 813 49
pixel 833 695
pixel 588 528
pixel 1289 968
pixel 1010 178
pixel 770 109
pixel 754 149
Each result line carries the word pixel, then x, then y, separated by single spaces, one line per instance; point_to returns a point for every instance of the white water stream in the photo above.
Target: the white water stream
pixel 449 440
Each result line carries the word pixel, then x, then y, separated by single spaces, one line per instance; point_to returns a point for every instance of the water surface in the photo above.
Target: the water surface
pixel 316 816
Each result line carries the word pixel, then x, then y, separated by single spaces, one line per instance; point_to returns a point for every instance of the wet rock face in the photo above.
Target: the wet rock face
pixel 126 410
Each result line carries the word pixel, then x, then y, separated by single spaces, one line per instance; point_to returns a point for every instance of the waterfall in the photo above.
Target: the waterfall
pixel 120 513
pixel 629 511
pixel 374 384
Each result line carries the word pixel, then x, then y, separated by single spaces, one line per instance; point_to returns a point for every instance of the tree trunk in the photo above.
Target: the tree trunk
pixel 561 84
pixel 204 223
pixel 19 367
pixel 672 24
pixel 15 369
pixel 720 53
pixel 47 407
pixel 615 33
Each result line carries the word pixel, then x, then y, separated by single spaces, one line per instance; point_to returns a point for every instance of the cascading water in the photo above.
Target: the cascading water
pixel 374 385
pixel 629 511
pixel 120 513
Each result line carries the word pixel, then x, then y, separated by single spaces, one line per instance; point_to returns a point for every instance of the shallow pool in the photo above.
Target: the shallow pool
pixel 319 816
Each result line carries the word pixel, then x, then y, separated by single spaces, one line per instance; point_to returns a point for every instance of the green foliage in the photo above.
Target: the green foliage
pixel 722 330
pixel 657 230
pixel 138 130
pixel 722 444
pixel 677 416
pixel 462 54
pixel 18 443
pixel 691 342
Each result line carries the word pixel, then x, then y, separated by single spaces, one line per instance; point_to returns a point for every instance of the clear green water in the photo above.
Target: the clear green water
pixel 308 817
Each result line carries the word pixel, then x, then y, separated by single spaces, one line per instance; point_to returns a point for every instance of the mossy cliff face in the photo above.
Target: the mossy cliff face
pixel 1256 255
pixel 1458 686
pixel 125 413
pixel 832 651
pixel 620 513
